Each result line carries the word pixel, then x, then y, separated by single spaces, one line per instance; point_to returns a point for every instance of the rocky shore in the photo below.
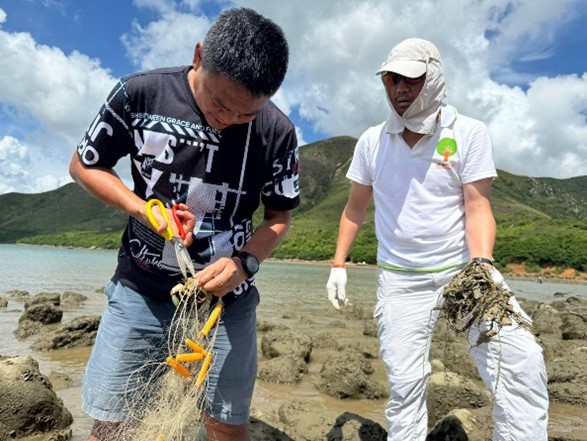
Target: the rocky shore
pixel 339 363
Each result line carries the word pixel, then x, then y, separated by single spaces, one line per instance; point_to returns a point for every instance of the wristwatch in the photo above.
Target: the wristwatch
pixel 484 260
pixel 250 263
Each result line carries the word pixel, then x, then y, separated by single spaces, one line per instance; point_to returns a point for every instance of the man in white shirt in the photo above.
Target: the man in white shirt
pixel 430 170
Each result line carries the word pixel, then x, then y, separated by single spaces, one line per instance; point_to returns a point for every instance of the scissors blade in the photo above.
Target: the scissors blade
pixel 183 258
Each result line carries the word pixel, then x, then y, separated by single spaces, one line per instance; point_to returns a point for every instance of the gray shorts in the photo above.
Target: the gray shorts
pixel 131 343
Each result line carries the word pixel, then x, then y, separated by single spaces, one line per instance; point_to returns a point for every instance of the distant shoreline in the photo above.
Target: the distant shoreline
pixel 580 278
pixel 515 272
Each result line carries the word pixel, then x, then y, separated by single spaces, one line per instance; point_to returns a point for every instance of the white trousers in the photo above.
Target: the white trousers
pixel 511 364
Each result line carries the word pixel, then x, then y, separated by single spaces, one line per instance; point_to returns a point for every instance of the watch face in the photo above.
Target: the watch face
pixel 250 263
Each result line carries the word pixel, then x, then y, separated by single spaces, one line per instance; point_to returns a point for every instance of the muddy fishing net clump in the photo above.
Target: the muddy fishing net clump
pixel 472 297
pixel 167 405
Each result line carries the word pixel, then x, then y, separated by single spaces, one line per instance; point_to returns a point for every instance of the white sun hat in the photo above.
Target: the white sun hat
pixel 410 58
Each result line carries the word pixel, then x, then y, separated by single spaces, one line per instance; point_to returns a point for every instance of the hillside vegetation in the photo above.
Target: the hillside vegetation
pixel 542 222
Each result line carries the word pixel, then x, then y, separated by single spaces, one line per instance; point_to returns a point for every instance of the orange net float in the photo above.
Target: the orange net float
pixel 178 367
pixel 190 357
pixel 204 369
pixel 214 315
pixel 194 346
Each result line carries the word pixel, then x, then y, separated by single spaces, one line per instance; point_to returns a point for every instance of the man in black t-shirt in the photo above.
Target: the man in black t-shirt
pixel 206 136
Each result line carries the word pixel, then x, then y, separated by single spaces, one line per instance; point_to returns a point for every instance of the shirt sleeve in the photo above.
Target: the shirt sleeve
pixel 360 171
pixel 282 191
pixel 478 162
pixel 108 138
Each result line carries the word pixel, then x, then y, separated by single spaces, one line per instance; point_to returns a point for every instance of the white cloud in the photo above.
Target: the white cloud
pixel 537 123
pixel 51 97
pixel 61 92
pixel 168 41
pixel 14 161
pixel 18 172
pixel 559 108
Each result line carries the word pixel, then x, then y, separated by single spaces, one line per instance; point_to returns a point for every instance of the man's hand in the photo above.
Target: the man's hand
pixel 177 221
pixel 187 221
pixel 221 277
pixel 336 287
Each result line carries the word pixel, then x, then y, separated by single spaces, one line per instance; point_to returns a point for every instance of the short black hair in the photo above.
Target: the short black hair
pixel 248 48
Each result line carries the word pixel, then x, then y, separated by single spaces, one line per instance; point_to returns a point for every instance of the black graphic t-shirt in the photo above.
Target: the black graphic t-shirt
pixel 222 175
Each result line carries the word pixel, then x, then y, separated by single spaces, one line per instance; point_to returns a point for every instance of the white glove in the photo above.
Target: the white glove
pixel 498 278
pixel 336 287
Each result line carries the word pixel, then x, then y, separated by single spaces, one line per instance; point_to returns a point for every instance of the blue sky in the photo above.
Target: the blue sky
pixel 517 65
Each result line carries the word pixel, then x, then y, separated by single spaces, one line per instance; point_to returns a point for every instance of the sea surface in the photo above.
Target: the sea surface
pixel 288 290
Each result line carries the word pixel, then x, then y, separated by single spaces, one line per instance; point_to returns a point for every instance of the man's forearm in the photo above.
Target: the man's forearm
pixel 481 232
pixel 350 225
pixel 480 228
pixel 106 186
pixel 269 234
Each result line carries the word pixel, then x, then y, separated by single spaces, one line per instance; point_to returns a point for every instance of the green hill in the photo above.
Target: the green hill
pixel 542 222
pixel 66 216
pixel 557 198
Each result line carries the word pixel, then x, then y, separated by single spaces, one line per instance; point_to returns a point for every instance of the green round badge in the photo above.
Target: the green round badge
pixel 446 147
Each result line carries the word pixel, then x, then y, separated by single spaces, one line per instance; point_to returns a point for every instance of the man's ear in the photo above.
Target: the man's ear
pixel 197 60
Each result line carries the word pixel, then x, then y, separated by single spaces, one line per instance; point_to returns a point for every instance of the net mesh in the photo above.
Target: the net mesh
pixel 168 404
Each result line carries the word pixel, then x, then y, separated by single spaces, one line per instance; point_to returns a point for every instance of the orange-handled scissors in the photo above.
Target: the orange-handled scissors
pixel 183 257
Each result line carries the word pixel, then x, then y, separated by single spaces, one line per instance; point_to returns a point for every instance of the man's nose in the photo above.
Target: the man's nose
pixel 233 117
pixel 227 116
pixel 402 85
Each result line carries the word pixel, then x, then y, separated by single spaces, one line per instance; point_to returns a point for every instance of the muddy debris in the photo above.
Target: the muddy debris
pixel 472 298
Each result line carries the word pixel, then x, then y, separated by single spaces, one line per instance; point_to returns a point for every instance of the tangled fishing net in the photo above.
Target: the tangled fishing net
pixel 167 406
pixel 473 298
